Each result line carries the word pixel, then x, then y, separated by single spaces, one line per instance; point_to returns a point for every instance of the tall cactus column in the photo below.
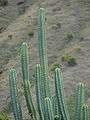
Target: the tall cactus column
pixel 14 95
pixel 43 53
pixel 39 92
pixel 25 72
pixel 60 95
pixel 80 99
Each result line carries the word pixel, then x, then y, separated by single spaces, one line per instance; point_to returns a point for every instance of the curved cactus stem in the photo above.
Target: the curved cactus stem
pixel 60 95
pixel 14 95
pixel 25 72
pixel 39 92
pixel 48 109
pixel 43 53
pixel 80 99
pixel 85 112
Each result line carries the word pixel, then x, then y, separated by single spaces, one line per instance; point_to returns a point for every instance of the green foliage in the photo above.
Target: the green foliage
pixel 3 116
pixel 69 59
pixel 54 66
pixel 69 36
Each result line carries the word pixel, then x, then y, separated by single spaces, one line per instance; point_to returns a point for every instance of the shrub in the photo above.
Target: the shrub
pixel 69 36
pixel 31 33
pixel 69 59
pixel 72 61
pixel 3 116
pixel 54 66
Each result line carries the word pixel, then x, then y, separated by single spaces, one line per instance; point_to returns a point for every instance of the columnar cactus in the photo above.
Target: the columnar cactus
pixel 44 99
pixel 39 92
pixel 48 109
pixel 85 112
pixel 25 72
pixel 55 108
pixel 60 95
pixel 14 95
pixel 80 99
pixel 43 53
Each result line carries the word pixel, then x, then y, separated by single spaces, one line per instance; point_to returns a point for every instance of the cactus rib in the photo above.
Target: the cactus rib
pixel 48 109
pixel 25 72
pixel 39 91
pixel 43 53
pixel 60 95
pixel 14 95
pixel 80 99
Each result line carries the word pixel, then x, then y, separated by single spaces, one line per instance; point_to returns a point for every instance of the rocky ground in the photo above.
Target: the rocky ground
pixel 62 18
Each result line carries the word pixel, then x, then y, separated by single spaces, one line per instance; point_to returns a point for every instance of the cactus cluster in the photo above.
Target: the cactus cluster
pixel 48 107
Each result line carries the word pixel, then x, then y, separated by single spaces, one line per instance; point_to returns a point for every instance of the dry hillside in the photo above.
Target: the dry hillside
pixel 67 32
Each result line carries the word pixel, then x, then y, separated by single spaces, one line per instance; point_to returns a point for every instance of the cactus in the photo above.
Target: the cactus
pixel 48 109
pixel 43 53
pixel 14 95
pixel 39 92
pixel 25 72
pixel 80 99
pixel 55 108
pixel 60 95
pixel 85 112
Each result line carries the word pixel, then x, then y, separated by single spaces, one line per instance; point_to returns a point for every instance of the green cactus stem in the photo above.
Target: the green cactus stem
pixel 80 99
pixel 39 92
pixel 14 95
pixel 43 52
pixel 60 95
pixel 25 72
pixel 85 112
pixel 55 108
pixel 48 109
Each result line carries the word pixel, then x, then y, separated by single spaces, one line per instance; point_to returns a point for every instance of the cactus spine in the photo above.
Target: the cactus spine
pixel 48 109
pixel 43 53
pixel 85 112
pixel 39 91
pixel 14 95
pixel 25 72
pixel 60 95
pixel 80 99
